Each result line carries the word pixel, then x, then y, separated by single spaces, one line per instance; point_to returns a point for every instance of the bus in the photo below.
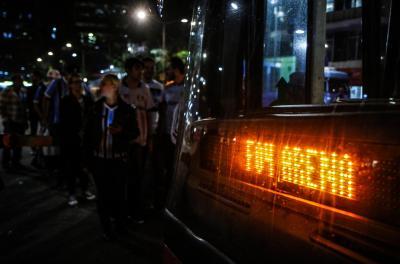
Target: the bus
pixel 267 169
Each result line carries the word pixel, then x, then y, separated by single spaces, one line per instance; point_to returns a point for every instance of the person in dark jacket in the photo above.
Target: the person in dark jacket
pixel 111 127
pixel 74 109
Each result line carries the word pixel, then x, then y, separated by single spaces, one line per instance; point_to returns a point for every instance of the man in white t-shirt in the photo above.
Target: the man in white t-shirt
pixel 156 90
pixel 135 92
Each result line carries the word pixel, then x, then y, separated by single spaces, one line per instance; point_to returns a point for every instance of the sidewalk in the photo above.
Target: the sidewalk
pixel 37 225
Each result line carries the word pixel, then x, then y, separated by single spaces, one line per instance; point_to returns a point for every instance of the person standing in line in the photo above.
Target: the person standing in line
pixel 170 99
pixel 34 117
pixel 135 92
pixel 13 109
pixel 153 141
pixel 156 90
pixel 54 93
pixel 39 160
pixel 110 129
pixel 74 109
pixel 37 84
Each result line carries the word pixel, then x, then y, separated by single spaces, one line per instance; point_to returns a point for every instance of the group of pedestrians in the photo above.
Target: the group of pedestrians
pixel 123 140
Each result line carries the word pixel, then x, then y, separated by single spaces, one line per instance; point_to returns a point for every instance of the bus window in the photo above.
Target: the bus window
pixel 251 56
pixel 285 52
pixel 219 60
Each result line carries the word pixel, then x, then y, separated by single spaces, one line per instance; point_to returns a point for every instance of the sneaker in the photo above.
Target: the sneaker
pixel 89 196
pixel 72 201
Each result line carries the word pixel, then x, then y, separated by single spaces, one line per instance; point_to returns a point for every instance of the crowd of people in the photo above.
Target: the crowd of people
pixel 112 138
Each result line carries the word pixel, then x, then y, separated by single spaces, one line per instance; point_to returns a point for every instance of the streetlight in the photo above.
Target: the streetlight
pixel 234 6
pixel 184 20
pixel 68 45
pixel 141 14
pixel 74 55
pixel 39 60
pixel 50 53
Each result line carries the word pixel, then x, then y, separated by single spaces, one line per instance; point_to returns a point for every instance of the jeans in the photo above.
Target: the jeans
pixel 135 191
pixel 72 167
pixel 166 171
pixel 110 180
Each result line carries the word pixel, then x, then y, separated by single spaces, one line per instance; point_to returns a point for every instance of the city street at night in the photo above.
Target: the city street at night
pixel 37 225
pixel 199 131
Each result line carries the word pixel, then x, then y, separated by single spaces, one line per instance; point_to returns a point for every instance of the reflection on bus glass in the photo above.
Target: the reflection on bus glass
pixel 285 52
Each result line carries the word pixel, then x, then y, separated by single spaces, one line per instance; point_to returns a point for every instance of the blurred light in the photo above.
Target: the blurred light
pixel 68 45
pixel 54 29
pixel 90 35
pixel 299 31
pixel 193 23
pixel 204 55
pixel 326 46
pixel 102 71
pixel 50 53
pixel 141 14
pixel 234 6
pixel 111 66
pixel 53 36
pixel 85 79
pixel 220 69
pixel 184 20
pixel 39 60
pixel 8 35
pixel 74 54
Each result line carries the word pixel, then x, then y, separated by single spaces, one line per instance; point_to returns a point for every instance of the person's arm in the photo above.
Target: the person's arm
pixel 36 103
pixel 48 94
pixel 150 107
pixel 141 123
pixel 131 129
pixel 162 109
pixel 175 122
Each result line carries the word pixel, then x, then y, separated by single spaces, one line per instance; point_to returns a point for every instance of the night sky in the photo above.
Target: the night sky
pixel 30 29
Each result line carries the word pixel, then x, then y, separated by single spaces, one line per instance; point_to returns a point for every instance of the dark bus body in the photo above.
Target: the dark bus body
pixel 266 171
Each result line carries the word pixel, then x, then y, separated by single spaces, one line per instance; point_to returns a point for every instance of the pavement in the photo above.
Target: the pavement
pixel 38 226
